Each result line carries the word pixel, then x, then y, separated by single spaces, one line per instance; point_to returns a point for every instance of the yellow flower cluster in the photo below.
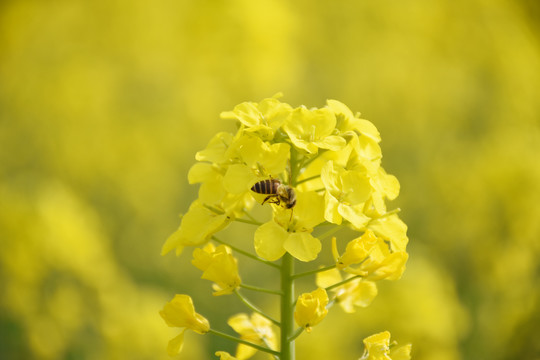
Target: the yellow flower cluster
pixel 320 171
pixel 330 157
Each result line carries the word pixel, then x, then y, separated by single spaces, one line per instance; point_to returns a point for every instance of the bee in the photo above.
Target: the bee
pixel 276 191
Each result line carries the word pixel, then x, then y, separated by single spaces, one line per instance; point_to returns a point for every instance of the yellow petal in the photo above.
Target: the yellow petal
pixel 175 344
pixel 201 172
pixel 377 345
pixel 303 246
pixel 353 214
pixel 246 112
pixel 202 258
pixel 391 268
pixel 401 352
pixel 269 240
pixel 331 213
pixel 309 210
pixel 356 186
pixel 238 179
pixel 197 226
pixel 333 143
pixel 356 293
pixel 393 229
pixel 216 149
pixel 328 278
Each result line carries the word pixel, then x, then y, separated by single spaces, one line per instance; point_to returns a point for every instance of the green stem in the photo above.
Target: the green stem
pixel 247 221
pixel 260 289
pixel 307 179
pixel 254 308
pixel 241 341
pixel 342 282
pixel 297 333
pixel 311 272
pixel 245 253
pixel 287 308
pixel 329 232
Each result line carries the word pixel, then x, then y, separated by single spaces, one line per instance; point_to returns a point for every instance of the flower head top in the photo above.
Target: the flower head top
pixel 329 157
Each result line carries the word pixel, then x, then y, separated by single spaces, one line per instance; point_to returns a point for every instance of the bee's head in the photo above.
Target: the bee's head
pixel 292 198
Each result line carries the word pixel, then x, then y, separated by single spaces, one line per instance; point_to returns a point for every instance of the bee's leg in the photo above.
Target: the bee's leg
pixel 268 197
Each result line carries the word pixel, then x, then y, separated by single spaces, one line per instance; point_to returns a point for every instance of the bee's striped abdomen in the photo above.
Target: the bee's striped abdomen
pixel 268 186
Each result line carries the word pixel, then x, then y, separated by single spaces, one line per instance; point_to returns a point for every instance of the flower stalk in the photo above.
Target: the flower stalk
pixel 287 308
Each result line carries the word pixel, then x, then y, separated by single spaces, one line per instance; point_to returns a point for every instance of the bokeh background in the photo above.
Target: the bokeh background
pixel 103 105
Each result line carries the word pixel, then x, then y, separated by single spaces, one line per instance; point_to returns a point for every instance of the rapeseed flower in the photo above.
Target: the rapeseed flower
pixel 196 228
pixel 311 308
pixel 218 265
pixel 255 329
pixel 378 347
pixel 354 293
pixel 310 130
pixel 179 312
pixel 292 234
pixel 375 259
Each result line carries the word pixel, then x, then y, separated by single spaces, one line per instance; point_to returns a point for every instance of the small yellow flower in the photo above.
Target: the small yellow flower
pixel 346 121
pixel 374 258
pixel 292 235
pixel 197 226
pixel 354 293
pixel 310 130
pixel 179 312
pixel 257 330
pixel 262 118
pixel 219 266
pixel 377 347
pixel 311 308
pixel 346 193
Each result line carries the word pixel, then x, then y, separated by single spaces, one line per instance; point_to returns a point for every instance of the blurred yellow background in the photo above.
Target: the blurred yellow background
pixel 103 105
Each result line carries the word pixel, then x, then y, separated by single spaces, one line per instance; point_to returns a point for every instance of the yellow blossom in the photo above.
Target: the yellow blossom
pixel 377 347
pixel 310 130
pixel 311 308
pixel 262 118
pixel 219 266
pixel 345 195
pixel 255 329
pixel 374 258
pixel 354 293
pixel 179 312
pixel 392 229
pixel 292 234
pixel 346 121
pixel 197 226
